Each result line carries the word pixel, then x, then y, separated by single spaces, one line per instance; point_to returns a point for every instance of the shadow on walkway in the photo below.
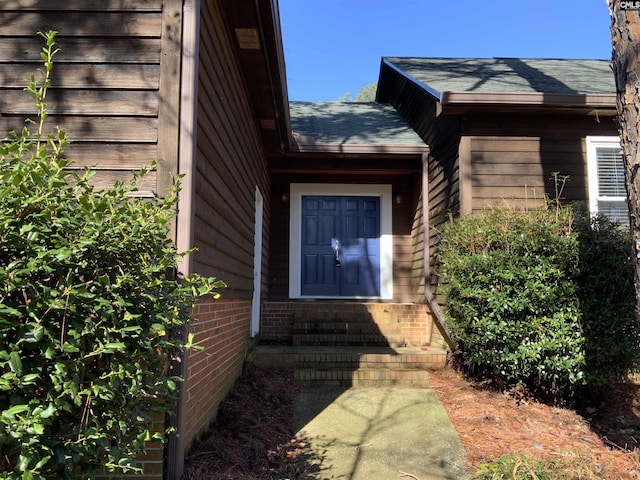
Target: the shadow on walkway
pixel 377 433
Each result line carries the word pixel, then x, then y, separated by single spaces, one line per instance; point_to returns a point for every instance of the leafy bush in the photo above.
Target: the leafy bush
pixel 540 299
pixel 607 300
pixel 90 313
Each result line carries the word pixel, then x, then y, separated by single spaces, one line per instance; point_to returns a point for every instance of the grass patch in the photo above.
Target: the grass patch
pixel 523 467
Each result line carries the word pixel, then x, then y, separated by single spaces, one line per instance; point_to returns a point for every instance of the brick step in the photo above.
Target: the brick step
pixel 342 325
pixel 362 377
pixel 347 358
pixel 338 328
pixel 353 339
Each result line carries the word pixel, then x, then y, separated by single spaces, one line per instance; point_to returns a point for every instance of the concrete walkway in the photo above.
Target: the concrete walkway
pixel 378 434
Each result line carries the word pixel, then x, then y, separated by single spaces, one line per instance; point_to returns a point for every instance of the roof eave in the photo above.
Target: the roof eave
pixel 255 30
pixel 272 34
pixel 458 102
pixel 363 149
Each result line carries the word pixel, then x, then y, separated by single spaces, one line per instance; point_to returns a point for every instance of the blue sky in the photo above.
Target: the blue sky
pixel 333 47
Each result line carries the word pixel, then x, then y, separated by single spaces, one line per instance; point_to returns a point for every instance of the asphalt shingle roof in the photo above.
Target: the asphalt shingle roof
pixel 509 75
pixel 347 123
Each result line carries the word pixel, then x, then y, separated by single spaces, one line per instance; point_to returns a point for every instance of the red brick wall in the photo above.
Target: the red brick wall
pixel 276 322
pixel 412 320
pixel 222 328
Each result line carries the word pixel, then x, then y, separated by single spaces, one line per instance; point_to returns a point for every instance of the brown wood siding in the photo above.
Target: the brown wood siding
pixel 105 83
pixel 402 217
pixel 442 134
pixel 230 163
pixel 279 268
pixel 514 157
pixel 403 249
pixel 418 245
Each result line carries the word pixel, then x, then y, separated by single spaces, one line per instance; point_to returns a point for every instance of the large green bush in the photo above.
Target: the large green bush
pixel 542 299
pixel 91 313
pixel 607 300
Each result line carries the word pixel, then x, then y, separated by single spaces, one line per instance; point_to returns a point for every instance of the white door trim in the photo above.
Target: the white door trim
pixel 257 264
pixel 295 229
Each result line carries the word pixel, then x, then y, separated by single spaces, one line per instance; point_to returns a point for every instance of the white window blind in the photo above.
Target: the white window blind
pixel 607 191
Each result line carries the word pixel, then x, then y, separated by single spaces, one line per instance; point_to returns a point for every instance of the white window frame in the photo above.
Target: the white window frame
pixel 593 143
pixel 298 190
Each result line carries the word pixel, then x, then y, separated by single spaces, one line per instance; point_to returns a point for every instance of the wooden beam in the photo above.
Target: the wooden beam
pixel 169 106
pixel 466 189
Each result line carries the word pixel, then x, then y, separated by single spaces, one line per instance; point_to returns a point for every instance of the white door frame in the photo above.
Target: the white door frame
pixel 295 229
pixel 257 264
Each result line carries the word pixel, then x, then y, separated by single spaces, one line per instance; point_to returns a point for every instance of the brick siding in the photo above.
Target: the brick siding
pixel 222 329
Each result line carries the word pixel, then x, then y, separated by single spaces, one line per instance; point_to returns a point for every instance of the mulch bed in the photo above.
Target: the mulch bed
pixel 252 438
pixel 603 438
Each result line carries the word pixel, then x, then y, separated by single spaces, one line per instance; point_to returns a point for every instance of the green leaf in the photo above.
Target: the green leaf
pixel 42 462
pixel 114 347
pixel 15 363
pixel 159 328
pixel 68 348
pixel 49 411
pixel 6 310
pixel 30 378
pixel 35 335
pixel 12 411
pixel 133 328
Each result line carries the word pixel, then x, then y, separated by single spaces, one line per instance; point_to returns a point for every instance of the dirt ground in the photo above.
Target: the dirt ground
pixel 252 438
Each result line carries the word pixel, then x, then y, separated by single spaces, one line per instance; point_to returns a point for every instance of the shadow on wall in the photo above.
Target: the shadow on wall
pixel 340 323
pixel 104 83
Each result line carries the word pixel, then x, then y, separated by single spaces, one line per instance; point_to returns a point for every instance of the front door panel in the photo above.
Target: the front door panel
pixel 340 246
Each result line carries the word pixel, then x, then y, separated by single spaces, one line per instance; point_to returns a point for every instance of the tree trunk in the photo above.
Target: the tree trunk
pixel 625 37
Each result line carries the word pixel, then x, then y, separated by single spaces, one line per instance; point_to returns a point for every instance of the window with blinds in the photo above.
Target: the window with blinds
pixel 607 191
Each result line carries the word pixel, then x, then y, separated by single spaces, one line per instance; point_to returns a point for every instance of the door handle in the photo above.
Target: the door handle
pixel 337 250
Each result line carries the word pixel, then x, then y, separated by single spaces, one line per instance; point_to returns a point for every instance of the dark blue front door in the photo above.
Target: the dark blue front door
pixel 340 246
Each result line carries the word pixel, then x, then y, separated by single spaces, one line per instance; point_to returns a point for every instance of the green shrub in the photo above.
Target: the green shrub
pixel 90 312
pixel 607 300
pixel 540 299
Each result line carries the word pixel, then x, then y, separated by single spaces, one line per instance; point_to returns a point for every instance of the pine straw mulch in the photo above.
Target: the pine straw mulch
pixel 600 441
pixel 253 439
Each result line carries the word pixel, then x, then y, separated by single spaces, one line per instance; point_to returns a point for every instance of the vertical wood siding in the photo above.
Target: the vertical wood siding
pixel 230 163
pixel 106 77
